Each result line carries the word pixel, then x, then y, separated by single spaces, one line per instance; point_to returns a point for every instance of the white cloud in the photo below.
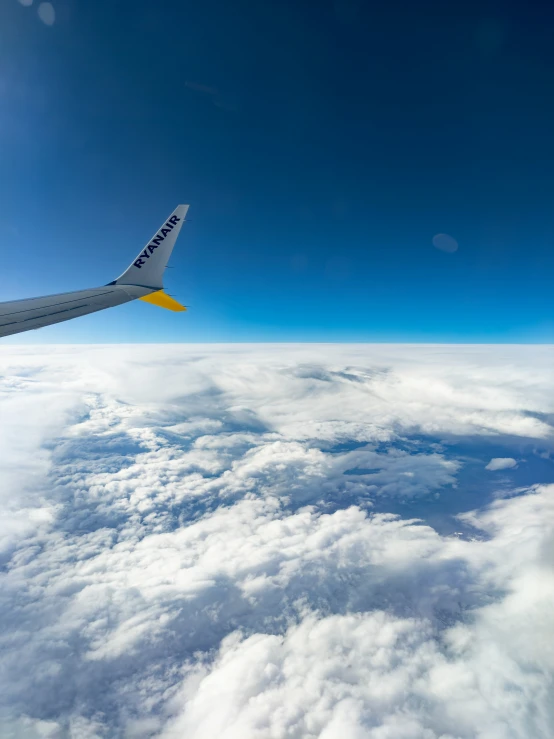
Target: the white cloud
pixel 199 545
pixel 376 674
pixel 501 463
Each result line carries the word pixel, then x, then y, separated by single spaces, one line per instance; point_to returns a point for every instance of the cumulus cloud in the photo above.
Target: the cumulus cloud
pixel 501 463
pixel 203 544
pixel 380 673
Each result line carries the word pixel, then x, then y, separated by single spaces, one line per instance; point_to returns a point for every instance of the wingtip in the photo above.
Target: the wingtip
pixel 163 300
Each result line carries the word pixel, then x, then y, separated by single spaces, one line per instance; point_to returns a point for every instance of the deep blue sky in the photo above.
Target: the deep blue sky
pixel 321 146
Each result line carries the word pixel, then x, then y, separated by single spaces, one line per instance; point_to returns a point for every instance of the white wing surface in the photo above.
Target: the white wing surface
pixel 143 280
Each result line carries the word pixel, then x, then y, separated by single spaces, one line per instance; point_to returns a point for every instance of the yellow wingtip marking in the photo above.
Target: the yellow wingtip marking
pixel 163 300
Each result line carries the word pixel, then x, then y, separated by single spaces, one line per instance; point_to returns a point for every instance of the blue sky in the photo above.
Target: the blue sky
pixel 321 147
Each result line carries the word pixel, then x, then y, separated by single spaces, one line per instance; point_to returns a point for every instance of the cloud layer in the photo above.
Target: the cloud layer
pixel 203 541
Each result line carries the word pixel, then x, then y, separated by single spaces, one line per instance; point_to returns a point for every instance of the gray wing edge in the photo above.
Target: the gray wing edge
pixel 17 316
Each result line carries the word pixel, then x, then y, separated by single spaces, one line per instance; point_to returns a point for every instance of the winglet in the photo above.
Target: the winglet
pixel 163 300
pixel 148 268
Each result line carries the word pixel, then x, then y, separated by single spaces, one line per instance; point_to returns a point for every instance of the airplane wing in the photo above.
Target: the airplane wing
pixel 142 280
